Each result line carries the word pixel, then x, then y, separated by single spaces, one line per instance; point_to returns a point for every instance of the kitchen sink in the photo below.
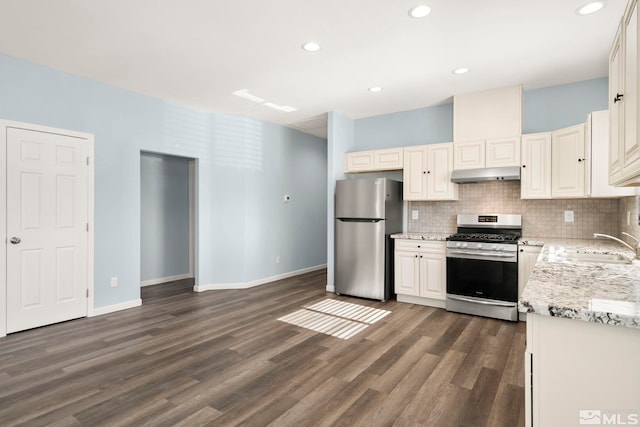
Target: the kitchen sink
pixel 587 257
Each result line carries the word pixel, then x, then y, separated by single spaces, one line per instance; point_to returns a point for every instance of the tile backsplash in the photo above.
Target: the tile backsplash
pixel 629 206
pixel 540 218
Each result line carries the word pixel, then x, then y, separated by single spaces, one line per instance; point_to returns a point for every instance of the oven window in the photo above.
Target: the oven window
pixel 483 279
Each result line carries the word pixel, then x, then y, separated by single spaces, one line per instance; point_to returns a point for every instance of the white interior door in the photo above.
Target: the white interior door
pixel 47 238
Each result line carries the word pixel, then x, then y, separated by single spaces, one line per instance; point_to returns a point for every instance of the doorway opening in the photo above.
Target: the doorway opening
pixel 167 219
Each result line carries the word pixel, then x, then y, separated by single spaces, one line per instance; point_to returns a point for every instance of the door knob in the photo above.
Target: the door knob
pixel 15 240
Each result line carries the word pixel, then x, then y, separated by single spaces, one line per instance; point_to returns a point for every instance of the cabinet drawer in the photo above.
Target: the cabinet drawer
pixel 419 246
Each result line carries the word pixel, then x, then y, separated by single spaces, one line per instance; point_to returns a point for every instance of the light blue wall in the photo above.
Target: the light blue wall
pixel 340 140
pixel 556 107
pixel 415 127
pixel 164 216
pixel 544 109
pixel 237 160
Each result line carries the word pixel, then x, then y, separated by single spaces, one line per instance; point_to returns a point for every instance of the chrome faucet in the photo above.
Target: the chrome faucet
pixel 635 249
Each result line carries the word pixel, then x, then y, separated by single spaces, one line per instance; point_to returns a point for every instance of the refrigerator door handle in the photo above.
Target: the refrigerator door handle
pixel 359 219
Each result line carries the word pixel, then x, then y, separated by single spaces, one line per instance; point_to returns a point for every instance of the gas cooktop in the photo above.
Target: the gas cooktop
pixel 484 237
pixel 489 228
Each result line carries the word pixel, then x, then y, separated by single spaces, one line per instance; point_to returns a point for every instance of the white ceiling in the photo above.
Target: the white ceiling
pixel 197 52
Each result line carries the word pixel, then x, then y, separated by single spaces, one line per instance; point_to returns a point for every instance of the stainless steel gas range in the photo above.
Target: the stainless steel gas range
pixel 482 265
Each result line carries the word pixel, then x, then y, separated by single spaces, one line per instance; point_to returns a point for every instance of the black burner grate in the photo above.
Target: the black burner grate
pixel 484 237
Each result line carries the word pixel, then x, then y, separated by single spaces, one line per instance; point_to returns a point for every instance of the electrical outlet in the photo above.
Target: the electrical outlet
pixel 277 259
pixel 414 214
pixel 568 216
pixel 114 282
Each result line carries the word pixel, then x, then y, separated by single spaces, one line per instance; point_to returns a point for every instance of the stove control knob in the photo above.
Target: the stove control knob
pixel 479 245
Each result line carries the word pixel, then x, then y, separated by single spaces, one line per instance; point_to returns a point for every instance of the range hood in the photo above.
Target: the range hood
pixel 508 173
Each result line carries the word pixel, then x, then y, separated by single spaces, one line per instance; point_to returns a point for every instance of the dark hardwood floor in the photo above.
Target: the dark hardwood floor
pixel 222 358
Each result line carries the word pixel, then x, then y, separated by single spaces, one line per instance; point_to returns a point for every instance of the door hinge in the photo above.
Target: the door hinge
pixel 87 160
pixel 87 293
pixel 87 226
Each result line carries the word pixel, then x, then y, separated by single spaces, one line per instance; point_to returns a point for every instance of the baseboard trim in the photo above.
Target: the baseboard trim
pixel 160 280
pixel 330 288
pixel 258 282
pixel 116 307
pixel 410 299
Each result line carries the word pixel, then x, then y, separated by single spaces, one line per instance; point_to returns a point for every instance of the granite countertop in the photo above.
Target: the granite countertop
pixel 421 236
pixel 589 291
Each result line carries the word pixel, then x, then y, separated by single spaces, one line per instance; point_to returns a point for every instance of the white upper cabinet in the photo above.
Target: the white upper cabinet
pixel 570 167
pixel 503 152
pixel 616 108
pixel 488 153
pixel 358 162
pixel 570 162
pixel 469 154
pixel 414 175
pixel 427 173
pixel 439 168
pixel 390 159
pixel 495 113
pixel 631 146
pixel 535 180
pixel 598 134
pixel 375 160
pixel 624 162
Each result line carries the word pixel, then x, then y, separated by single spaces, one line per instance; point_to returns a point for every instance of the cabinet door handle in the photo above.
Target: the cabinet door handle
pixel 524 166
pixel 581 160
pixel 428 171
pixel 416 255
pixel 424 172
pixel 618 97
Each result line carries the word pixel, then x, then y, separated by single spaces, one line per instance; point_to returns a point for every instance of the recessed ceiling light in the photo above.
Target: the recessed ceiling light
pixel 419 11
pixel 461 70
pixel 311 46
pixel 244 93
pixel 590 8
pixel 375 89
pixel 284 108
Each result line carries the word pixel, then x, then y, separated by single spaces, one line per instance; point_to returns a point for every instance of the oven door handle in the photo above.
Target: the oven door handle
pixel 478 301
pixel 490 254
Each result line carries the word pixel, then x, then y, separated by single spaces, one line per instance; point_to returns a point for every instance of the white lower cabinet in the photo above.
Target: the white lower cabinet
pixel 527 257
pixel 577 369
pixel 420 272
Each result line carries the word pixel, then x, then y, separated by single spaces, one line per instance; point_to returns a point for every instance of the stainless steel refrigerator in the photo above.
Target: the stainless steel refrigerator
pixel 368 211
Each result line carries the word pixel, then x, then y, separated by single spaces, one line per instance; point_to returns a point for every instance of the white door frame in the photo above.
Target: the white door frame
pixel 4 125
pixel 193 216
